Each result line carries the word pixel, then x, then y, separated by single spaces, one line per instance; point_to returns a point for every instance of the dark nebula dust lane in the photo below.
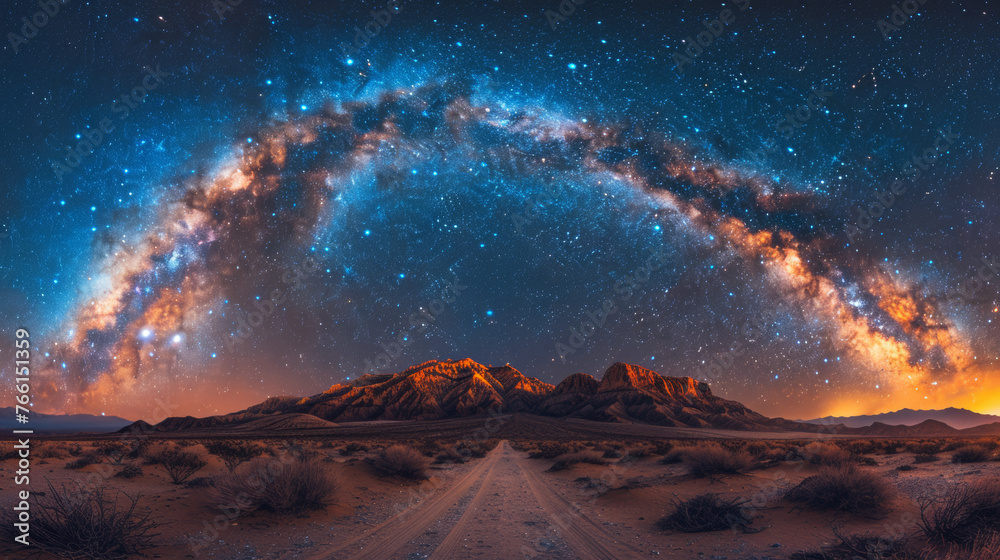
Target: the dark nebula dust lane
pixel 297 230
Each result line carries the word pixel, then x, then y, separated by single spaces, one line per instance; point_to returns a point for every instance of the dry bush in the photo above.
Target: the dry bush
pixel 638 452
pixel 352 448
pixel 976 453
pixel 826 454
pixel 428 447
pixel 846 488
pixel 74 449
pixel 986 546
pixel 675 456
pixel 401 460
pixel 862 446
pixel 866 546
pixel 275 485
pixel 550 450
pixel 234 453
pixel 476 449
pixel 115 451
pixel 925 447
pixel 568 460
pixel 451 455
pixel 92 525
pixel 52 450
pixel 660 447
pixel 84 460
pixel 711 458
pixel 962 514
pixel 922 458
pixel 707 512
pixel 179 463
pixel 130 470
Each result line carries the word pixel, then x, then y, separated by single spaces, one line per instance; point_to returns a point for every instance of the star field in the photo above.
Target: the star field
pixel 288 209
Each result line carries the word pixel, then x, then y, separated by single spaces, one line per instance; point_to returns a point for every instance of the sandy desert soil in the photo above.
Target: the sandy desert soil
pixel 505 505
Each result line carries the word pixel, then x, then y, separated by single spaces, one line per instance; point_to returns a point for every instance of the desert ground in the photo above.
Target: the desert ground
pixel 471 489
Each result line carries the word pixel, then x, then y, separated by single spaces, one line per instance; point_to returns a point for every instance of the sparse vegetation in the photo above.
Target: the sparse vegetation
pixel 964 513
pixel 93 525
pixel 84 460
pixel 867 546
pixel 845 488
pixel 568 460
pixel 130 470
pixel 826 454
pixel 401 460
pixel 179 463
pixel 707 512
pixel 711 458
pixel 283 487
pixel 976 453
pixel 549 450
pixel 352 448
pixel 234 453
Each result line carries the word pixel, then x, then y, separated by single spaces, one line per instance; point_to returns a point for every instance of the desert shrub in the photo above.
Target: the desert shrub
pixel 660 447
pixel 428 447
pixel 989 443
pixel 975 453
pixel 924 447
pixel 638 452
pixel 674 456
pixel 114 451
pixel 861 446
pixel 868 546
pixel 986 546
pixel 284 487
pixel 51 450
pixel 130 470
pixel 74 449
pixel 962 514
pixel 476 449
pixel 352 448
pixel 826 454
pixel 550 450
pixel 610 453
pixel 93 525
pixel 924 458
pixel 846 488
pixel 568 460
pixel 234 453
pixel 906 468
pixel 401 460
pixel 707 512
pixel 450 455
pixel 179 463
pixel 758 448
pixel 711 459
pixel 84 460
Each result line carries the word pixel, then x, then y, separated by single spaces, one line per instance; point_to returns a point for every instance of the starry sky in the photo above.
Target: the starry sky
pixel 204 205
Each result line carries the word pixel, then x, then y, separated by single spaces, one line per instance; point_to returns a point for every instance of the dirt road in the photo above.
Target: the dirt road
pixel 502 508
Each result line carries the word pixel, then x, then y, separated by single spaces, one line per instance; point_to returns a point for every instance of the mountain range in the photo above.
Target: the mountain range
pixel 61 423
pixel 440 389
pixel 959 418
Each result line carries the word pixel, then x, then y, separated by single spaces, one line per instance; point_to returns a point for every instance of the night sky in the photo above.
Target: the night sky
pixel 204 211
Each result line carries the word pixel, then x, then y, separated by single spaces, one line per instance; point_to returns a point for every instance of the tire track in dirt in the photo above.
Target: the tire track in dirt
pixel 403 527
pixel 587 539
pixel 449 547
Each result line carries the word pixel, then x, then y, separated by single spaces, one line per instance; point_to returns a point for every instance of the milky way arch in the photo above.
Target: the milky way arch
pixel 279 192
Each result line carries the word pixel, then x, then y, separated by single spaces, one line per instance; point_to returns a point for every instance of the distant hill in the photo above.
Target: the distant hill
pixel 444 389
pixel 958 418
pixel 62 423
